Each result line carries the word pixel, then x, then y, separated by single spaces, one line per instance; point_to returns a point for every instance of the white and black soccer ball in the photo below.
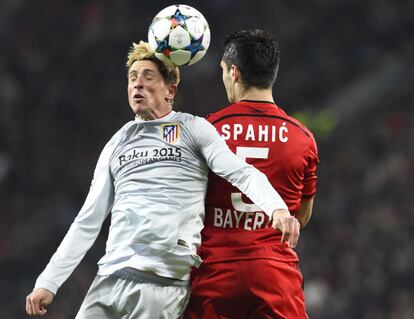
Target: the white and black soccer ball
pixel 179 34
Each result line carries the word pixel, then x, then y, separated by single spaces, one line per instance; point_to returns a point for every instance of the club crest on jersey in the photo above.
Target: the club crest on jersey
pixel 171 132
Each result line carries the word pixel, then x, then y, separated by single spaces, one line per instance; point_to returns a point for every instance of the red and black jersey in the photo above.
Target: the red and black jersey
pixel 283 149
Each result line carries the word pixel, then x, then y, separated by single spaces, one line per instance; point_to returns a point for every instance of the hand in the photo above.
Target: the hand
pixel 37 301
pixel 288 225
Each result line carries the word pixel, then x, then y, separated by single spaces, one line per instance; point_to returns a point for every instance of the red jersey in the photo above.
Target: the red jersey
pixel 285 151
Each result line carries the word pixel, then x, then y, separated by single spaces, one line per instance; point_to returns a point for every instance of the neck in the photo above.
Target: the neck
pixel 256 94
pixel 152 115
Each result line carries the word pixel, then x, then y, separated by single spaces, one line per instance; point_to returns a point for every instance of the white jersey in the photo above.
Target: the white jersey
pixel 152 177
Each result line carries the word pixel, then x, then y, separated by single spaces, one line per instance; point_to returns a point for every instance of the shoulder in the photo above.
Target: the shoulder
pixel 188 119
pixel 195 126
pixel 294 121
pixel 302 127
pixel 123 130
pixel 221 112
pixel 184 117
pixel 120 134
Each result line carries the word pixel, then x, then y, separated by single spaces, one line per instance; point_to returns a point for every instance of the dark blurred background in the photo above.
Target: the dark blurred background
pixel 346 71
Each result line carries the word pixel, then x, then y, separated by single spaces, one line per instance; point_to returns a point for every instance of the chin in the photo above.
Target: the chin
pixel 138 109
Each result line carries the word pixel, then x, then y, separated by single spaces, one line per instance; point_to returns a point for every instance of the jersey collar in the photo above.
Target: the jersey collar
pixel 166 117
pixel 257 101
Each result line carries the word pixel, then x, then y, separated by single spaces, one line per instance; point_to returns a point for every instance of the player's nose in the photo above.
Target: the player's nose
pixel 138 85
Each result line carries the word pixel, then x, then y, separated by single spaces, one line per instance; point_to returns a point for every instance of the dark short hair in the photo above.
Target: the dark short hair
pixel 256 54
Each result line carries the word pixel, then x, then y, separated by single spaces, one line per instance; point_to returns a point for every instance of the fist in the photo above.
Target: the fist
pixel 37 301
pixel 288 225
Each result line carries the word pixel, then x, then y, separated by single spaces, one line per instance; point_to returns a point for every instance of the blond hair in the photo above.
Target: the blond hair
pixel 142 51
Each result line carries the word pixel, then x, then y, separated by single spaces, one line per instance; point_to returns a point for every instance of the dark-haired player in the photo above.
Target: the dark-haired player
pixel 248 271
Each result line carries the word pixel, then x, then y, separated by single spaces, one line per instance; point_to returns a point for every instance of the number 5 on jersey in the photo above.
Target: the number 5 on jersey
pixel 244 153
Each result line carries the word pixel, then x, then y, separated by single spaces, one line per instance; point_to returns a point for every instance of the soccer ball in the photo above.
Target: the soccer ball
pixel 179 34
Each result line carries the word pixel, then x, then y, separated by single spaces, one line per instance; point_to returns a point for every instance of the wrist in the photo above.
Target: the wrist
pixel 280 213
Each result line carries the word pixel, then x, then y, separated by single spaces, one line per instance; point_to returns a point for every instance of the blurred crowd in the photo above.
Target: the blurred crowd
pixel 63 95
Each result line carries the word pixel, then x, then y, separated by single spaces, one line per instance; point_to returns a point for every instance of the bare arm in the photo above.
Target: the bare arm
pixel 304 213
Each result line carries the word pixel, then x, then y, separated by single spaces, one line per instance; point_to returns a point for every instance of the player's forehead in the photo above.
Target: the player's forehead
pixel 223 65
pixel 144 66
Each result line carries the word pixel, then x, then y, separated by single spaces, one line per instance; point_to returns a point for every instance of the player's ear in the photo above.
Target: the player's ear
pixel 172 90
pixel 235 73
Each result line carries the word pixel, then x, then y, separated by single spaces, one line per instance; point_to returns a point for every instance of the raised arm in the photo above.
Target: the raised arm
pixel 253 183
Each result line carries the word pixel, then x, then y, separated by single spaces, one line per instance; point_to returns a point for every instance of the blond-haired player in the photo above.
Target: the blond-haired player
pixel 151 177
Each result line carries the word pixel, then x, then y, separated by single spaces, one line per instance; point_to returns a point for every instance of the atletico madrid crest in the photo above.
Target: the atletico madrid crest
pixel 171 132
